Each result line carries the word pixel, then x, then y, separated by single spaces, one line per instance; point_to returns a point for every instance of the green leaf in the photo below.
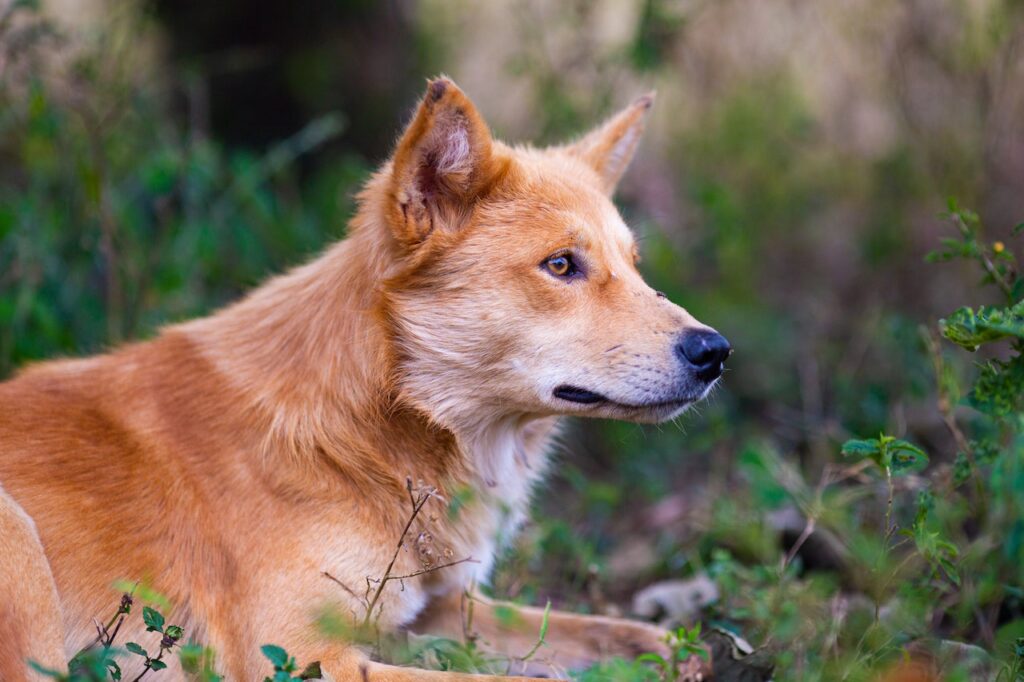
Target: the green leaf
pixel 44 671
pixel 276 655
pixel 999 388
pixel 311 672
pixel 925 503
pixel 157 665
pixel 961 469
pixel 136 649
pixel 544 622
pixel 153 618
pixel 861 448
pixel 461 498
pixel 700 652
pixel 971 329
pixel 906 457
pixel 950 571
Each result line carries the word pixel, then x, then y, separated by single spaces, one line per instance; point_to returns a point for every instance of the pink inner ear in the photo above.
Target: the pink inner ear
pixel 622 152
pixel 447 159
pixel 455 154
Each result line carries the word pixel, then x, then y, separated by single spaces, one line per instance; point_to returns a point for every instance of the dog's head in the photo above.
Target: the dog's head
pixel 515 288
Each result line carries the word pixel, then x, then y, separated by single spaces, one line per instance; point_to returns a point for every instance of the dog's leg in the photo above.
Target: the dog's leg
pixel 573 640
pixel 353 666
pixel 30 617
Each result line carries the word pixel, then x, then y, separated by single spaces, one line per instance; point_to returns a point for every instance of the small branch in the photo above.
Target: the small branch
pixel 945 407
pixel 371 600
pixel 468 559
pixel 417 506
pixel 103 634
pixel 541 638
pixel 343 585
pixel 889 527
pixel 166 644
pixel 806 533
pixel 108 226
pixel 117 628
pixel 985 261
pixel 466 616
pixel 149 665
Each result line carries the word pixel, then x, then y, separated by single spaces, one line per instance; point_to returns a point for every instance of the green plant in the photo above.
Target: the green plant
pixel 285 665
pixel 97 662
pixel 892 456
pixel 682 643
pixel 198 661
pixel 171 636
pixel 1013 671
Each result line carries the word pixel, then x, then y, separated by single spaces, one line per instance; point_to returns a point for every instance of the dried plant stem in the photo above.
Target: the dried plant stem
pixel 806 533
pixel 889 527
pixel 431 569
pixel 370 601
pixel 945 407
pixel 103 634
pixel 417 506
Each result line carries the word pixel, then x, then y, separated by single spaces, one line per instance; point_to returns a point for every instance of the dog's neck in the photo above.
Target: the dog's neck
pixel 312 355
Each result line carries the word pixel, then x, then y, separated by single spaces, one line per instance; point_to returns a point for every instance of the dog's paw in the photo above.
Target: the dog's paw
pixel 630 639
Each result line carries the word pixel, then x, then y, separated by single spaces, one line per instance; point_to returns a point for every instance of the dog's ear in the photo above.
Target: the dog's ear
pixel 442 163
pixel 610 147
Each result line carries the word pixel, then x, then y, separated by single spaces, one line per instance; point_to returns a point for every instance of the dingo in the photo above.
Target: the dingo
pixel 483 291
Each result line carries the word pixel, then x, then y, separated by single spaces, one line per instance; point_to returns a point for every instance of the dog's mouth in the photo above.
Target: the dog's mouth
pixel 581 396
pixel 575 394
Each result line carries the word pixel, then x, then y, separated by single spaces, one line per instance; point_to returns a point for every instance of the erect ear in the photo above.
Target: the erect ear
pixel 442 163
pixel 610 147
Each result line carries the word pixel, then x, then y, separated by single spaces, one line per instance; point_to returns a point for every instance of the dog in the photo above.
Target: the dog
pixel 262 464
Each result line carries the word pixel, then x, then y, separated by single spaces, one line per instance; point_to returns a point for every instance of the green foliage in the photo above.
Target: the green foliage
pixel 619 670
pixel 973 329
pixel 888 454
pixel 682 643
pixel 998 389
pixel 285 665
pixel 116 218
pixel 199 661
pixel 97 662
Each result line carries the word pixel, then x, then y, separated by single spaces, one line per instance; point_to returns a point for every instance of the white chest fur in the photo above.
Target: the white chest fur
pixel 508 460
pixel 453 543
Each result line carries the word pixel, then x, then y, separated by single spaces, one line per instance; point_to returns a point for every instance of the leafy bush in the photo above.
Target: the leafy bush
pixel 115 217
pixel 941 565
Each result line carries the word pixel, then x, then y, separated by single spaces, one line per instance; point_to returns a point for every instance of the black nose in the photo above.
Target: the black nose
pixel 706 350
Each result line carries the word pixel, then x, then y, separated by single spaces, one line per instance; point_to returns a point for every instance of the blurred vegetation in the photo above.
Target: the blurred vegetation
pixel 156 160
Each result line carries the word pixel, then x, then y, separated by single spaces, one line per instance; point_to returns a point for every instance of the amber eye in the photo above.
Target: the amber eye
pixel 560 266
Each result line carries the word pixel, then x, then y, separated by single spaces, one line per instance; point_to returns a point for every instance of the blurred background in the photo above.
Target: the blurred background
pixel 158 158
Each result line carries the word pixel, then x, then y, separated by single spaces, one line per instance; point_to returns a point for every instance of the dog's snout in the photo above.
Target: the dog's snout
pixel 706 351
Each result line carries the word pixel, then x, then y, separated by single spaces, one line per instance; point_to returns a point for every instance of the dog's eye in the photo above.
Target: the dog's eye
pixel 561 266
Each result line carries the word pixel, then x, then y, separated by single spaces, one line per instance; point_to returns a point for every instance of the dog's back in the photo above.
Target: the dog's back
pixel 114 460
